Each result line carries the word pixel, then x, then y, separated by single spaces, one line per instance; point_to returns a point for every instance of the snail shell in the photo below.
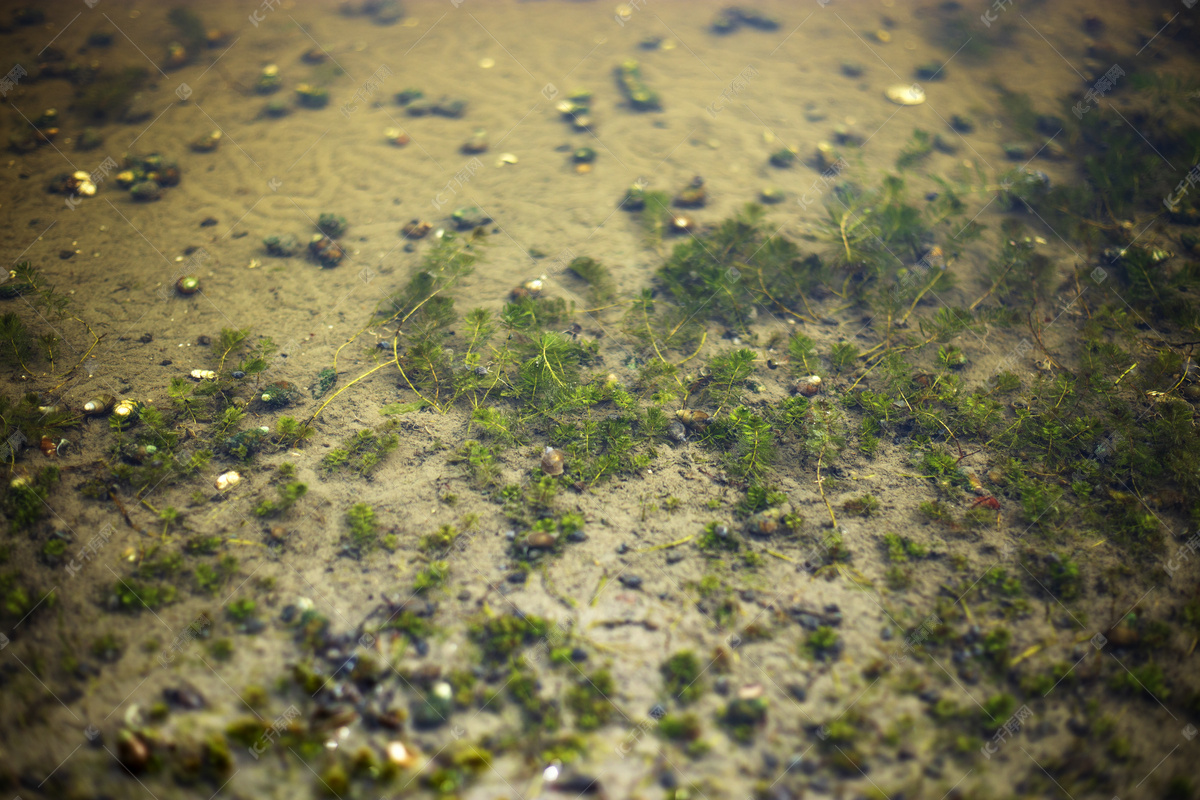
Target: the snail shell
pixel 906 94
pixel 48 447
pixel 204 375
pixel 188 284
pixel 809 386
pixel 553 461
pixel 126 409
pixel 540 540
pixel 682 223
pixel 99 405
pixel 228 480
pixel 694 420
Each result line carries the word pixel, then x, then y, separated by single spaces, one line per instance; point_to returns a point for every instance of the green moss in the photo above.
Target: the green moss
pixel 823 643
pixel 588 698
pixel 865 506
pixel 682 677
pixel 364 532
pixel 500 637
pixel 680 727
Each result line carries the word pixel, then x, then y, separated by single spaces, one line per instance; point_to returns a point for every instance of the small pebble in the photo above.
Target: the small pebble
pixel 631 581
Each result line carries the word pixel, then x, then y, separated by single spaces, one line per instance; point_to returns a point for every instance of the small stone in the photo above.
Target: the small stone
pixel 630 581
pixel 184 696
pixel 540 540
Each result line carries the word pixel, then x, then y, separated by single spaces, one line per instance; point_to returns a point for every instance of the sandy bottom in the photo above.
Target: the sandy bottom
pixel 510 63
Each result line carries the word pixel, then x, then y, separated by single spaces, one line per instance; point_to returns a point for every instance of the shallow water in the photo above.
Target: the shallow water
pixel 511 63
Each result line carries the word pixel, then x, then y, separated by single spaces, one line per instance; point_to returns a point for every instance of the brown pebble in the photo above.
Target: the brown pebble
pixel 132 751
pixel 65 254
pixel 203 341
pixel 540 540
pixel 553 461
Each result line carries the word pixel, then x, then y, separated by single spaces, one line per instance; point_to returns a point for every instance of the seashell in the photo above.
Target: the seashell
pixel 48 447
pixel 676 431
pixel 132 751
pixel 99 405
pixel 905 94
pixel 826 156
pixel 188 284
pixel 694 420
pixel 751 692
pixel 326 251
pixel 478 142
pixel 396 137
pixel 126 409
pixel 314 55
pixel 204 375
pixel 540 540
pixel 228 480
pixel 772 195
pixel 177 55
pixel 809 386
pixel 693 195
pixel 399 755
pixel 534 287
pixel 416 229
pixel 553 461
pixel 207 143
pixel 768 521
pixel 682 223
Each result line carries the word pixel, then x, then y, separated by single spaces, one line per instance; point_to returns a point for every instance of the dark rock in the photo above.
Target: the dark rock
pixel 630 581
pixel 184 696
pixel 577 783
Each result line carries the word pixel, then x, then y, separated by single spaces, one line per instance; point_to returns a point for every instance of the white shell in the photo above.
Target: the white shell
pixel 204 375
pixel 906 94
pixel 228 480
pixel 815 380
pixel 125 408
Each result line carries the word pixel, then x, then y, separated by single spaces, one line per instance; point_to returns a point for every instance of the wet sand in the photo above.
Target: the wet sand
pixel 275 176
